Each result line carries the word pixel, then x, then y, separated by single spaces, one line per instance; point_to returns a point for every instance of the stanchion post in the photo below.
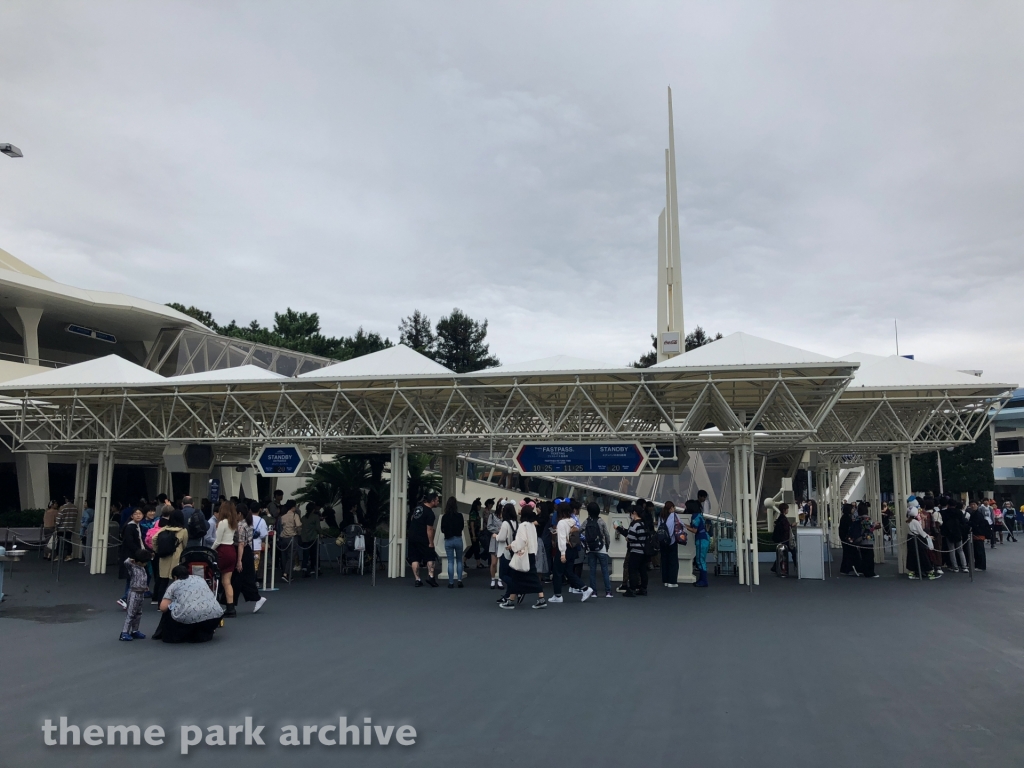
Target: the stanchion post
pixel 917 556
pixel 970 553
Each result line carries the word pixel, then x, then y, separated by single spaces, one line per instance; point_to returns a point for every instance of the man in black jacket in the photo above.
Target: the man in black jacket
pixel 953 530
pixel 848 566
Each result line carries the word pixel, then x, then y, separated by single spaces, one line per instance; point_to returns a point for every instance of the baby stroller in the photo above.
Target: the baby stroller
pixel 353 556
pixel 202 562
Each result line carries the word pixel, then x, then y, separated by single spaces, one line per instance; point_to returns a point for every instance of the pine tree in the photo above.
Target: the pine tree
pixel 415 332
pixel 460 343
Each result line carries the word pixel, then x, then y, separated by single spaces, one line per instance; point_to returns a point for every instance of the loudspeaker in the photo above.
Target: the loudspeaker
pixel 188 458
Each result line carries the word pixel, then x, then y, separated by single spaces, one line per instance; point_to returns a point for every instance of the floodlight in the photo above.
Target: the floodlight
pixel 10 150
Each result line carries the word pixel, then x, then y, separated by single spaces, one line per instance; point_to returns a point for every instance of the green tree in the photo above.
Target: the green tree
pixel 460 343
pixel 297 331
pixel 965 469
pixel 415 332
pixel 696 338
pixel 421 478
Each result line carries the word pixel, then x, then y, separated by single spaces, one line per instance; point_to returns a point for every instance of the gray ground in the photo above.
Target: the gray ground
pixel 847 672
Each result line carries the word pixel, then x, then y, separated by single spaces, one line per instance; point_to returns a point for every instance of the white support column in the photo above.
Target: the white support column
pixel 30 333
pixel 81 490
pixel 835 496
pixel 736 471
pixel 101 519
pixel 398 510
pixel 33 479
pixel 874 498
pixel 163 479
pixel 752 511
pixel 900 492
pixel 449 475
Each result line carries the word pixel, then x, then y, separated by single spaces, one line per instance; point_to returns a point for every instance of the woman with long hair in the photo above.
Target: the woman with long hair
pixel 493 524
pixel 227 550
pixel 506 535
pixel 452 525
pixel 525 582
pixel 475 550
pixel 244 577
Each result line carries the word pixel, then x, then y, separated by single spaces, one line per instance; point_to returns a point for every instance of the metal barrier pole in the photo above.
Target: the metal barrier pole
pixel 971 553
pixel 272 546
pixel 917 554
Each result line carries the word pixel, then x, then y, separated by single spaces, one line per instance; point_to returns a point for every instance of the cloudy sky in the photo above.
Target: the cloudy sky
pixel 840 165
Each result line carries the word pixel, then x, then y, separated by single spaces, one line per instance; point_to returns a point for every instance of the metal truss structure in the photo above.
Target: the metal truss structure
pixel 176 352
pixel 868 422
pixel 777 408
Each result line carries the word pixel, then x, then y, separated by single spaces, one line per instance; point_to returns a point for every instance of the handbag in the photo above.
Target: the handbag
pixel 360 544
pixel 520 562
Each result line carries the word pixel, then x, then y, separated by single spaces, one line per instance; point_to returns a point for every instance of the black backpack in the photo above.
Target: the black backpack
pixel 166 543
pixel 592 535
pixel 197 526
pixel 664 536
pixel 573 539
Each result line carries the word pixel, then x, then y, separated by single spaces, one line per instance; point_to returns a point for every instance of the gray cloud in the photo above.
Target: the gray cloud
pixel 840 165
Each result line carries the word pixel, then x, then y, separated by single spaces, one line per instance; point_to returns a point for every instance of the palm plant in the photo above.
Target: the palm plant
pixel 337 483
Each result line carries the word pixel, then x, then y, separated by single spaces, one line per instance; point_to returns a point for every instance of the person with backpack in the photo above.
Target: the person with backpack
pixel 701 540
pixel 781 533
pixel 670 535
pixel 195 523
pixel 168 544
pixel 568 538
pixel 637 546
pixel 596 541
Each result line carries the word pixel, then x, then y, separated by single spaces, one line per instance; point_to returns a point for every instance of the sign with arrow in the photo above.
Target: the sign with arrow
pixel 608 459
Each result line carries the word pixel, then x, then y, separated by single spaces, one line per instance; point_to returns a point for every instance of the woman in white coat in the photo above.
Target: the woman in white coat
pixel 524 553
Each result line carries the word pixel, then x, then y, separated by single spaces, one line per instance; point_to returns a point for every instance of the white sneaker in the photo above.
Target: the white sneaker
pixel 123 604
pixel 555 599
pixel 500 585
pixel 672 586
pixel 259 604
pixel 574 591
pixel 588 592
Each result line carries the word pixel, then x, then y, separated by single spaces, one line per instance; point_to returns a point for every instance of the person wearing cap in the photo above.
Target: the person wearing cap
pixel 420 537
pixel 919 544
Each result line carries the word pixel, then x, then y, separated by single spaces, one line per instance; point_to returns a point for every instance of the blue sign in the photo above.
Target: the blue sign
pixel 214 492
pixel 280 460
pixel 580 458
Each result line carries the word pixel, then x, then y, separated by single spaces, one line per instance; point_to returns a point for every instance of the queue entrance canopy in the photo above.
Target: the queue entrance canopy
pixel 280 460
pixel 594 459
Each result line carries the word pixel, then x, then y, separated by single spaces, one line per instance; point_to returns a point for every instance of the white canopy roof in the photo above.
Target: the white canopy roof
pixel 399 360
pixel 551 364
pixel 743 349
pixel 241 374
pixel 877 372
pixel 111 370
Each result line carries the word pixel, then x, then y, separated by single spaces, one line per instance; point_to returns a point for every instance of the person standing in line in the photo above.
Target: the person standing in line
pixel 227 551
pixel 506 535
pixel 175 524
pixel 862 531
pixel 636 540
pixel 597 540
pixel 493 525
pixel 545 510
pixel 195 523
pixel 625 508
pixel 138 583
pixel 244 578
pixel 474 536
pixel 701 540
pixel 131 544
pixel 1010 520
pixel 670 528
pixel 981 530
pixel 289 523
pixel 276 506
pixel 568 534
pixel 49 528
pixel 986 512
pixel 781 533
pixel 259 534
pixel 452 526
pixel 954 531
pixel 309 533
pixel 919 544
pixel 525 582
pixel 849 565
pixel 420 535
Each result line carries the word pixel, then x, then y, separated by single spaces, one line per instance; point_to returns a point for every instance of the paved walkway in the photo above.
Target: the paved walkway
pixel 847 672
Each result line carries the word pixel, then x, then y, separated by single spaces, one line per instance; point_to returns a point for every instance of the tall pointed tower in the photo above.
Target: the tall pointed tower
pixel 671 336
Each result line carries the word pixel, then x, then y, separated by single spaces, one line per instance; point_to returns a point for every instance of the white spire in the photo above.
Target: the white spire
pixel 671 335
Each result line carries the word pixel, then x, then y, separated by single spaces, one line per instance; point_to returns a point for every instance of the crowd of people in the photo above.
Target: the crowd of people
pixel 942 535
pixel 528 544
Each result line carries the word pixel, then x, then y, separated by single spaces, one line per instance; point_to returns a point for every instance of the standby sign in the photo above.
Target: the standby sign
pixel 280 460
